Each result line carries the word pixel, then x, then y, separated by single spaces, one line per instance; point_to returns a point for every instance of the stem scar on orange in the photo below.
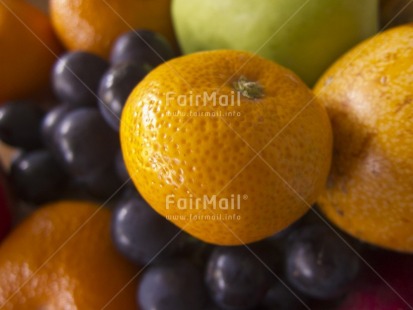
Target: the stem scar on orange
pixel 227 145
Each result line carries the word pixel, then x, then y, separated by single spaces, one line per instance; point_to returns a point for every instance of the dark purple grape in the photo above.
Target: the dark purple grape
pixel 84 143
pixel 115 87
pixel 174 284
pixel 120 167
pixel 51 119
pixel 236 278
pixel 281 296
pixel 20 124
pixel 319 263
pixel 141 234
pixel 76 77
pixel 103 185
pixel 143 47
pixel 311 217
pixel 37 177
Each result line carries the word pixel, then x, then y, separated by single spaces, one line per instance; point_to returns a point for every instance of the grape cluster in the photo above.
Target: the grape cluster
pixel 308 267
pixel 73 149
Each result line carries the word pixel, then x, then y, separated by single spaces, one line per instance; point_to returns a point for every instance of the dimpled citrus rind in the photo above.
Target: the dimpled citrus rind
pixel 272 158
pixel 368 96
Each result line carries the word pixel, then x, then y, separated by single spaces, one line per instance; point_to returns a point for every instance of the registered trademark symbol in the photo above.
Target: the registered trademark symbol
pixel 245 196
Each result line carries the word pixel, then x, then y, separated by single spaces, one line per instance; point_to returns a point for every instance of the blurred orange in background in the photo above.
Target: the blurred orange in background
pixel 93 25
pixel 62 257
pixel 28 49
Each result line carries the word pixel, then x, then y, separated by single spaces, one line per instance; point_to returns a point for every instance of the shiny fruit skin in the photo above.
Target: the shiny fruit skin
pixel 84 143
pixel 237 277
pixel 76 77
pixel 37 177
pixel 176 156
pixel 319 264
pixel 141 234
pixel 93 25
pixel 61 257
pixel 51 120
pixel 26 55
pixel 114 88
pixel 304 36
pixel 20 124
pixel 142 46
pixel 174 284
pixel 368 97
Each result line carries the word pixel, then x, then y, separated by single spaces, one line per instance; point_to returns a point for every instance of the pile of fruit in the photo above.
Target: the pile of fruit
pixel 235 155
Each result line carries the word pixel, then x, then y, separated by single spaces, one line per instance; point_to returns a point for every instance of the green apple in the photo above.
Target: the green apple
pixel 303 35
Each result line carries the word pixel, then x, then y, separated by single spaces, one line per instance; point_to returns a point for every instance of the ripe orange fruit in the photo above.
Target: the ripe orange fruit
pixel 93 25
pixel 369 96
pixel 61 257
pixel 28 49
pixel 178 160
